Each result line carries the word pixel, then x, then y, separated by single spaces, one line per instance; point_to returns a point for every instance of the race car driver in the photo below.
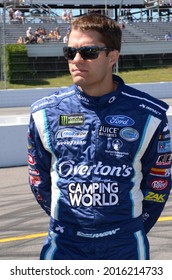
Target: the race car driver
pixel 99 154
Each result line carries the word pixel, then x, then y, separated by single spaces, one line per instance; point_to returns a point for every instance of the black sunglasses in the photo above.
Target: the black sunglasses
pixel 87 52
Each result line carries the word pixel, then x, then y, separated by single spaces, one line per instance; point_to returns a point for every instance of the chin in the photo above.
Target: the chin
pixel 79 81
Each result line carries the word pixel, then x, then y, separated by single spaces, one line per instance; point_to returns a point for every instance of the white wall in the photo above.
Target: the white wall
pixel 13 143
pixel 126 49
pixel 25 97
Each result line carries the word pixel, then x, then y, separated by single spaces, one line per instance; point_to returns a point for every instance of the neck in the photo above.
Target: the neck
pixel 99 91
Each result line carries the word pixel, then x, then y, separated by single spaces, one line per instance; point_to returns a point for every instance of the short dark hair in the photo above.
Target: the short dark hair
pixel 109 30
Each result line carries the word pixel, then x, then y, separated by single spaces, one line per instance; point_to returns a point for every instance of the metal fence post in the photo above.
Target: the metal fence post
pixel 4 66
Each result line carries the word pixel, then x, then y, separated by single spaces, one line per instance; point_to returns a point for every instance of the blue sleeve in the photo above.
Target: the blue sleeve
pixel 156 183
pixel 39 165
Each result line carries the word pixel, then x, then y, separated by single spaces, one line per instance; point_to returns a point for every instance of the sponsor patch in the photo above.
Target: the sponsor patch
pixel 108 131
pixel 164 147
pixel 145 216
pixel 114 148
pixel 151 196
pixel 60 229
pixel 117 144
pixel 34 180
pixel 160 172
pixel 71 142
pixel 44 102
pixel 119 120
pixel 39 197
pixel 33 171
pixel 83 98
pixel 95 194
pixel 164 159
pixel 73 119
pixel 166 128
pixel 159 184
pixel 129 134
pixel 98 234
pixel 112 99
pixel 164 136
pixel 150 109
pixel 31 159
pixel 69 168
pixel 70 133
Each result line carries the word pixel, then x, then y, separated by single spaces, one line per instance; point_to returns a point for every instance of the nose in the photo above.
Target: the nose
pixel 77 57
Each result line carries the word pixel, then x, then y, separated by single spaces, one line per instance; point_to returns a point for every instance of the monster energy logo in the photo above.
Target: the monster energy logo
pixel 73 119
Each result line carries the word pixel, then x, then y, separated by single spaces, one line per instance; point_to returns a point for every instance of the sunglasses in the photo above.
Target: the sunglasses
pixel 87 52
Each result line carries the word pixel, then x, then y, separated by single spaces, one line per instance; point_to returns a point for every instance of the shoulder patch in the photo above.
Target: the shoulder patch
pixel 52 99
pixel 146 102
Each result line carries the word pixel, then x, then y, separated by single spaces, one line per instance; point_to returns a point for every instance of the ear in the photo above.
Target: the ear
pixel 113 57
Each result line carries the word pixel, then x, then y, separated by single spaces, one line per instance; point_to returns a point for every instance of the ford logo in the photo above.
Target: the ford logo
pixel 119 120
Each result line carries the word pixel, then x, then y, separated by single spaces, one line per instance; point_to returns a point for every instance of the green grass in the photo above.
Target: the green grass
pixel 136 76
pixel 148 76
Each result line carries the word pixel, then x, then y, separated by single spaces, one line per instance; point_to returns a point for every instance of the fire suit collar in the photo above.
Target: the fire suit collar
pixel 101 101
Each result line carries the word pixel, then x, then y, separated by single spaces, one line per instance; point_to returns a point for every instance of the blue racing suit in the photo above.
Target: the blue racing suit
pixel 101 168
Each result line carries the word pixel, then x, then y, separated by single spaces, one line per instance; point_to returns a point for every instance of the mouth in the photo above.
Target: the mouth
pixel 76 70
pixel 79 72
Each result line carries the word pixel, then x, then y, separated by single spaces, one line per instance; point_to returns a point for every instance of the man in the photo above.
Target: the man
pixel 99 154
pixel 18 15
pixel 64 16
pixel 29 32
pixel 11 14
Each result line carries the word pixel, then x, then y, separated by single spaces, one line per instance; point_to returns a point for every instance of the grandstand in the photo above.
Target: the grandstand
pixel 138 28
pixel 13 31
pixel 143 33
pixel 133 31
pixel 150 31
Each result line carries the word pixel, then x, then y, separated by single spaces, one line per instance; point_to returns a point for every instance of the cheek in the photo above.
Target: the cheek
pixel 70 66
pixel 100 67
pixel 98 64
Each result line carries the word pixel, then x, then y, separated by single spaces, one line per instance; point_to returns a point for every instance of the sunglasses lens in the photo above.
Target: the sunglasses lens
pixel 91 52
pixel 69 53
